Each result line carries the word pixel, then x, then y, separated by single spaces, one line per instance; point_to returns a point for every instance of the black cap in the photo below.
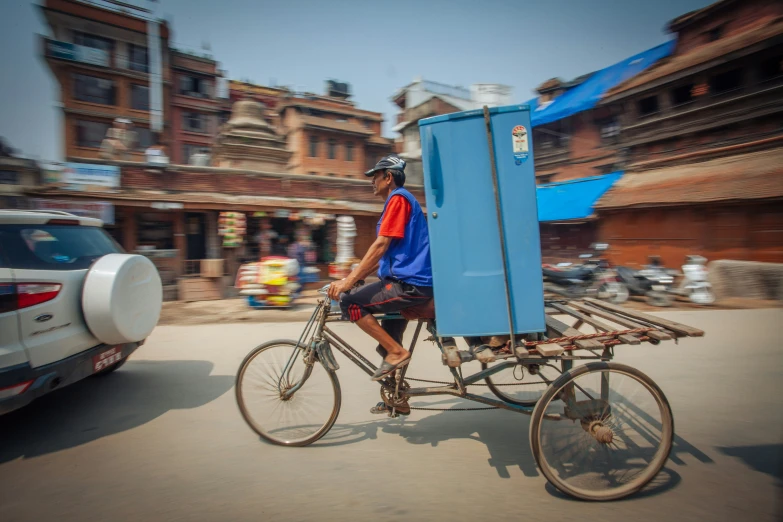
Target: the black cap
pixel 391 162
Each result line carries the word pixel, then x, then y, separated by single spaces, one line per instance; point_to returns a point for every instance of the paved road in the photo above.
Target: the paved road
pixel 162 440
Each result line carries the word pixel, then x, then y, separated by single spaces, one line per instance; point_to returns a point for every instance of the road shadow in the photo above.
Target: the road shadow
pixel 132 396
pixel 764 458
pixel 504 434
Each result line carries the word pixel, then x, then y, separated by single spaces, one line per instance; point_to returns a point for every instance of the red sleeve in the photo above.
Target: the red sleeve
pixel 398 212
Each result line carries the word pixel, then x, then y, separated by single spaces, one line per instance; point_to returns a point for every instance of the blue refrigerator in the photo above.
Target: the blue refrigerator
pixel 469 277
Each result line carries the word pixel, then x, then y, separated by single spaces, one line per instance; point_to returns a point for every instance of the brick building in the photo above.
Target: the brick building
pixel 195 106
pixel 329 135
pixel 101 60
pixel 703 142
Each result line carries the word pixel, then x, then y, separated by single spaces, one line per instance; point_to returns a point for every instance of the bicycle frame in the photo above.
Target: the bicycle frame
pixel 318 325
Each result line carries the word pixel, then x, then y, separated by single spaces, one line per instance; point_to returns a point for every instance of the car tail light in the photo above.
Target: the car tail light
pixel 16 389
pixel 63 222
pixel 31 294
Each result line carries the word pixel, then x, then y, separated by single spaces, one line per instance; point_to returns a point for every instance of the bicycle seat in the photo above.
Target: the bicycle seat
pixel 425 310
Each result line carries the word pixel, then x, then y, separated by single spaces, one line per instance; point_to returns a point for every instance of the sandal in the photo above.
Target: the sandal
pixel 388 368
pixel 381 407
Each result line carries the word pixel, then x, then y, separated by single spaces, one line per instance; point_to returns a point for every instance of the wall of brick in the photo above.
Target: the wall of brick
pixel 587 154
pixel 248 184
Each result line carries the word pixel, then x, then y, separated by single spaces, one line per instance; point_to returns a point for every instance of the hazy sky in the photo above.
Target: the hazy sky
pixel 376 46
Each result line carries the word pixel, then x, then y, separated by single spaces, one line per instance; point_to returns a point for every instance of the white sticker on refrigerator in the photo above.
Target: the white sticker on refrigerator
pixel 520 144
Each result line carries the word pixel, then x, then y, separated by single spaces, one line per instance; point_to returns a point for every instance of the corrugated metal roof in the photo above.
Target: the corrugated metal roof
pixel 572 199
pixel 756 175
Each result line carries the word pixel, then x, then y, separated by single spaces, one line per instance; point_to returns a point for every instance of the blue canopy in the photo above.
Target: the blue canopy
pixel 573 199
pixel 588 93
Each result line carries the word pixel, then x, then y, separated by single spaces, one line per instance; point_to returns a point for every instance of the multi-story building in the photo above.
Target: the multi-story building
pixel 576 159
pixel 103 62
pixel 195 105
pixel 423 99
pixel 329 135
pixel 703 143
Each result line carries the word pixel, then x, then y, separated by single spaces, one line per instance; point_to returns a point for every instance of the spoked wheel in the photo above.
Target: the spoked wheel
pixel 263 389
pixel 613 436
pixel 520 385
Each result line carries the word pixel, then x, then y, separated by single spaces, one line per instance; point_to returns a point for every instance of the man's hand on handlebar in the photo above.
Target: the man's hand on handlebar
pixel 340 287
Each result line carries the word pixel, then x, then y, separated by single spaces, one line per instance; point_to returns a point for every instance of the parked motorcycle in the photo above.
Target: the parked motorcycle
pixel 592 278
pixel 694 284
pixel 655 282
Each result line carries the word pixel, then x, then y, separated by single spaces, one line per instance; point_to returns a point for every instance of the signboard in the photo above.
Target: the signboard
pixel 77 53
pixel 167 205
pixel 91 209
pixel 89 174
pixel 247 88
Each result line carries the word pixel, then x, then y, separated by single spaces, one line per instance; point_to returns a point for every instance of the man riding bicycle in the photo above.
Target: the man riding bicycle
pixel 402 254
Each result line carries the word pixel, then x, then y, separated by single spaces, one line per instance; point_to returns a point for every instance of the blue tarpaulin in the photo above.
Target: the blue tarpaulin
pixel 572 199
pixel 588 93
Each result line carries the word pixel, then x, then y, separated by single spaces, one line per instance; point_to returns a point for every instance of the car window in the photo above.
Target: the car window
pixel 54 247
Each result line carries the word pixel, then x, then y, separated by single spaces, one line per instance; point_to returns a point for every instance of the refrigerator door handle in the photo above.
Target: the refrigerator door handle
pixel 436 170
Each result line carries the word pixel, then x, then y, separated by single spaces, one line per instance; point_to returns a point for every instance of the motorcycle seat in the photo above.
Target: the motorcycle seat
pixel 571 273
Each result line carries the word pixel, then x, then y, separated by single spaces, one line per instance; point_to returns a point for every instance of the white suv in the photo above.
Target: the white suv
pixel 72 304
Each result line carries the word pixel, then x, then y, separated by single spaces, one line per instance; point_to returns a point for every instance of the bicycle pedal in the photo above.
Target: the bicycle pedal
pixel 451 357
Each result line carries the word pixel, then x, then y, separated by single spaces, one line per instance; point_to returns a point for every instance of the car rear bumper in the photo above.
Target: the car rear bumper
pixel 50 377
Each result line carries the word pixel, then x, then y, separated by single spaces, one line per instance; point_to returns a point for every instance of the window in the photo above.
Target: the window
pixel 313 146
pixel 349 151
pixel 138 59
pixel 144 138
pixel 140 97
pixel 682 94
pixel 195 122
pixel 92 41
pixel 9 177
pixel 190 150
pixel 94 90
pixel 332 149
pixel 648 106
pixel 716 33
pixel 726 82
pixel 195 86
pixel 771 68
pixel 90 133
pixel 55 247
pixel 610 129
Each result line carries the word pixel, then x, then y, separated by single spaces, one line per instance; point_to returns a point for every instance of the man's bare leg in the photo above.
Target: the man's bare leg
pixel 372 327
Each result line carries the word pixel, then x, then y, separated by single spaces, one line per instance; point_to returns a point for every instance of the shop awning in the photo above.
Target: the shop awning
pixel 574 199
pixel 588 93
pixel 751 176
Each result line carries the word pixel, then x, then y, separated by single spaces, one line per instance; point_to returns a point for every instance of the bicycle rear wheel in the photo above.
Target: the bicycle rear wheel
pixel 271 370
pixel 613 436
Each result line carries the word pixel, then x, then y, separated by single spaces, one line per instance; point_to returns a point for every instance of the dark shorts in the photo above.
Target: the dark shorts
pixel 382 297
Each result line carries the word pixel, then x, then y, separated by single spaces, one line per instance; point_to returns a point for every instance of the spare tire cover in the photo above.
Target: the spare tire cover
pixel 122 298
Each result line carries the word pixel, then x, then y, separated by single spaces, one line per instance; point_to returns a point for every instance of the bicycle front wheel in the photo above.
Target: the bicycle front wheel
pixel 602 431
pixel 263 390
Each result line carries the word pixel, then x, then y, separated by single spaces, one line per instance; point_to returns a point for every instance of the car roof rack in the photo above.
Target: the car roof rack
pixel 58 212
